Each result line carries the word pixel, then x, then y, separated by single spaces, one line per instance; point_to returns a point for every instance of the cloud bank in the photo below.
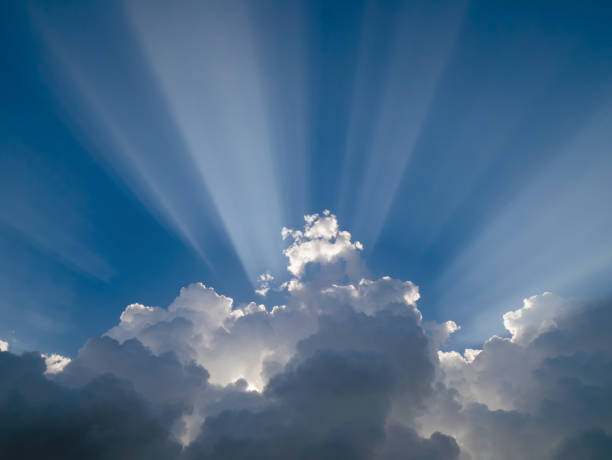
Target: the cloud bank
pixel 345 368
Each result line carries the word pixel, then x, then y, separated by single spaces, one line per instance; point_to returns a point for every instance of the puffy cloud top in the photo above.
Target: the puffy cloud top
pixel 320 241
pixel 371 296
pixel 536 316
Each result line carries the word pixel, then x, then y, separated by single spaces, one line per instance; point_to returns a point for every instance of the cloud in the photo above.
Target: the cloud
pixel 197 303
pixel 536 316
pixel 159 378
pixel 534 394
pixel 55 363
pixel 371 296
pixel 264 284
pixel 321 241
pixel 344 368
pixel 105 419
pixel 406 444
pixel 594 444
pixel 334 398
pixel 4 346
pixel 231 342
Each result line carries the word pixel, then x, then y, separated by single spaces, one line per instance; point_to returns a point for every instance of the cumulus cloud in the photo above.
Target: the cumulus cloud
pixel 160 378
pixel 55 363
pixel 321 241
pixel 231 342
pixel 345 368
pixel 539 393
pixel 333 398
pixel 371 296
pixel 537 315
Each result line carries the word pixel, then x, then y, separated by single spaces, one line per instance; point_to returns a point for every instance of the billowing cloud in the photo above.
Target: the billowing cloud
pixel 537 394
pixel 371 296
pixel 344 368
pixel 321 241
pixel 537 316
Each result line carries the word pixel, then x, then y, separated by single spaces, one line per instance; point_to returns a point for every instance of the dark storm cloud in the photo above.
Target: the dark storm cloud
pixel 105 419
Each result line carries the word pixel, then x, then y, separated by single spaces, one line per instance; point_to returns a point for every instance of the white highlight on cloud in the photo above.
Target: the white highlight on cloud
pixel 370 296
pixel 4 346
pixel 486 375
pixel 537 315
pixel 264 284
pixel 321 241
pixel 231 342
pixel 55 363
pixel 292 285
pixel 201 305
pixel 450 359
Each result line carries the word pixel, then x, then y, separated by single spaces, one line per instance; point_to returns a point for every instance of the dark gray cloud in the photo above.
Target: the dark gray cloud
pixel 159 378
pixel 590 445
pixel 105 419
pixel 405 444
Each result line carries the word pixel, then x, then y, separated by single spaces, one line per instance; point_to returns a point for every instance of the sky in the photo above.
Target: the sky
pixel 239 196
pixel 145 148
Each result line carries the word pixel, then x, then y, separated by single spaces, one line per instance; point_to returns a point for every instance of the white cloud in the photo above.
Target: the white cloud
pixel 4 346
pixel 266 277
pixel 230 342
pixel 264 284
pixel 537 315
pixel 55 363
pixel 371 296
pixel 247 342
pixel 201 305
pixel 292 285
pixel 321 241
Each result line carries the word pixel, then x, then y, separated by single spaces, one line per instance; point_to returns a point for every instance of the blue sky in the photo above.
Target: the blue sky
pixel 467 145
